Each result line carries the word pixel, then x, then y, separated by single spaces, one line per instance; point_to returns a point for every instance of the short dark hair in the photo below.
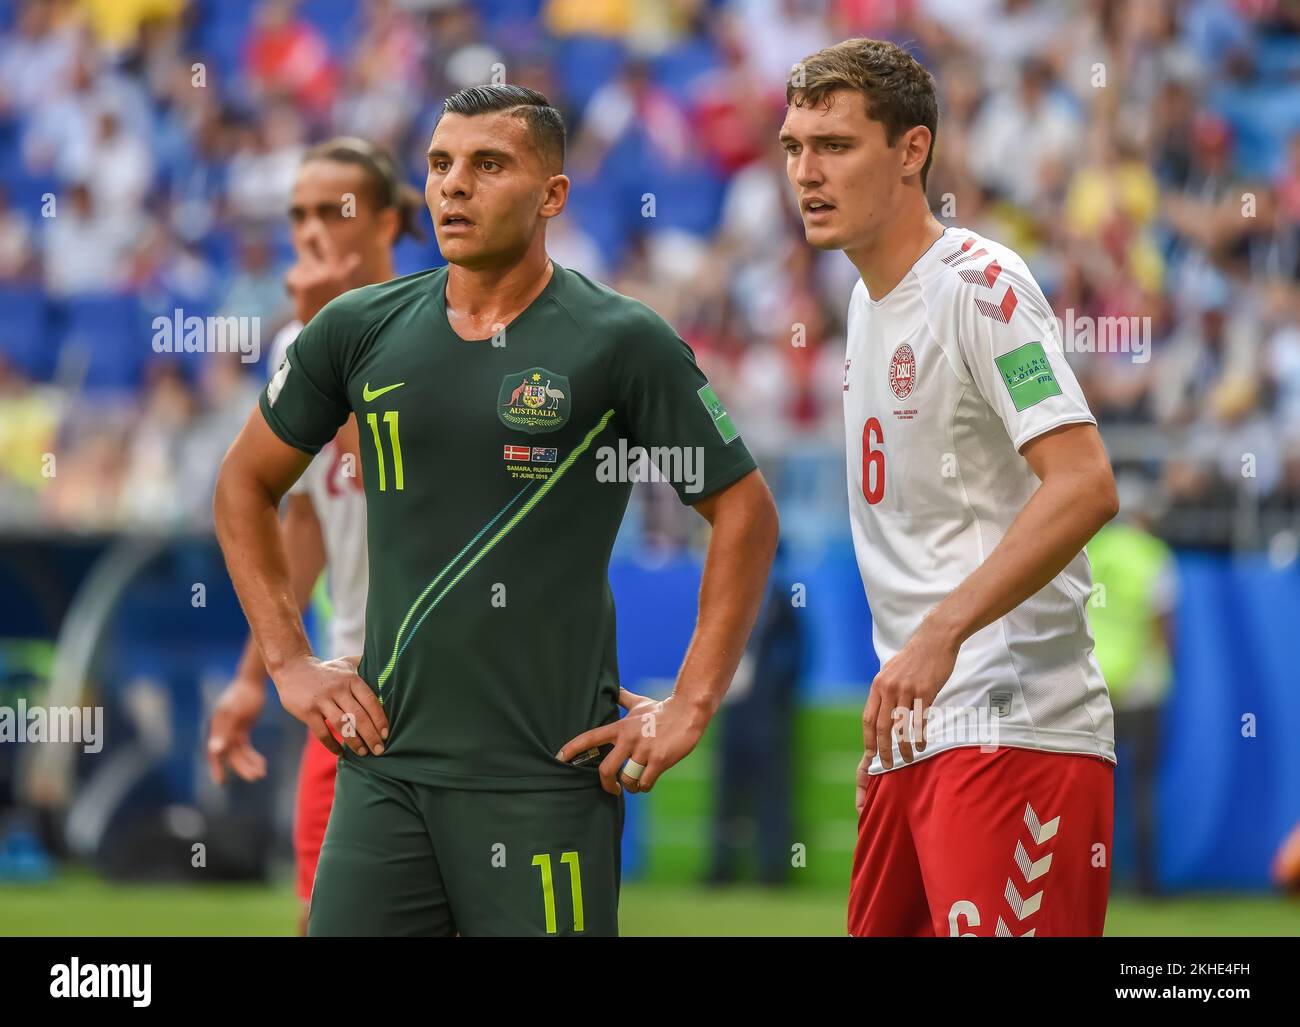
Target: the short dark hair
pixel 545 123
pixel 899 92
pixel 384 183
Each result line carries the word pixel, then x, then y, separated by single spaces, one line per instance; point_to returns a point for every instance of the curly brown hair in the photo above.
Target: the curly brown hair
pixel 899 92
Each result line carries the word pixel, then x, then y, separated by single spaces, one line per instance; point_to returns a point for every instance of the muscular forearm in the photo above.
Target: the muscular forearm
pixel 736 568
pixel 251 668
pixel 305 551
pixel 740 556
pixel 1061 516
pixel 248 529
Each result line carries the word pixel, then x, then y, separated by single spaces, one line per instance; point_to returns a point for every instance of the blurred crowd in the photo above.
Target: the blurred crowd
pixel 1143 156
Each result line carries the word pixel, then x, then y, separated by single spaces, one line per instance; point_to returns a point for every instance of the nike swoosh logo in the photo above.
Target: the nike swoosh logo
pixel 367 395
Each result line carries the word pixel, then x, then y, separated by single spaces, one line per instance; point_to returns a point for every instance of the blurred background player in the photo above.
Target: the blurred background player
pixel 1131 614
pixel 753 814
pixel 347 210
pixel 958 403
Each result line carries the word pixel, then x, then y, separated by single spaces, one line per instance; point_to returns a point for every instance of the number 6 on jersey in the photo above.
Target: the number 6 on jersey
pixel 873 492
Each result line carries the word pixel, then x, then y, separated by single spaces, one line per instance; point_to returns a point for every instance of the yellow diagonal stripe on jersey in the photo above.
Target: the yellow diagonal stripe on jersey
pixel 536 496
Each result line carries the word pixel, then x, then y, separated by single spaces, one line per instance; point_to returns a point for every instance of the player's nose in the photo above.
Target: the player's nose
pixel 807 173
pixel 307 237
pixel 457 182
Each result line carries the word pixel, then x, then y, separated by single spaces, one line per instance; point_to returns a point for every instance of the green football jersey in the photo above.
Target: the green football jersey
pixel 496 475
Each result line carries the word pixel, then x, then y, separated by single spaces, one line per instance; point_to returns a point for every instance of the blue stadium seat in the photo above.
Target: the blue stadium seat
pixel 584 64
pixel 339 21
pixel 1262 119
pixel 221 247
pixel 1277 58
pixel 498 15
pixel 690 198
pixel 597 205
pixel 111 335
pixel 24 335
pixel 411 255
pixel 27 191
pixel 687 196
pixel 681 67
pixel 219 30
pixel 10 147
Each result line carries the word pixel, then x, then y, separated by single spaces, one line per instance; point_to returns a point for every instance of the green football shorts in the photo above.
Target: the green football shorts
pixel 407 860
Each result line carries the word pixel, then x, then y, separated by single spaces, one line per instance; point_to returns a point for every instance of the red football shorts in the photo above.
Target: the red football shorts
pixel 1013 842
pixel 312 813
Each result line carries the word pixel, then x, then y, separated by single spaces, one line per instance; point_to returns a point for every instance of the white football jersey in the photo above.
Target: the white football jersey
pixel 340 505
pixel 945 378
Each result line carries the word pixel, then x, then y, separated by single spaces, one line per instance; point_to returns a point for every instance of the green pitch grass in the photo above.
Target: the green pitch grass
pixel 79 904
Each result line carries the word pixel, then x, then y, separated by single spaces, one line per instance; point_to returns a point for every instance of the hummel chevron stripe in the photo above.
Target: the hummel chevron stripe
pixel 1040 832
pixel 1031 870
pixel 1020 906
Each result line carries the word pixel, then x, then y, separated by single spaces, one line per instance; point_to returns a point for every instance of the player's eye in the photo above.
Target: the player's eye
pixel 490 165
pixel 440 166
pixel 835 147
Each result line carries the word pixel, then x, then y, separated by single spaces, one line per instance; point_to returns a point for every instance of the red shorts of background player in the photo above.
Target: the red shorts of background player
pixel 312 812
pixel 1012 842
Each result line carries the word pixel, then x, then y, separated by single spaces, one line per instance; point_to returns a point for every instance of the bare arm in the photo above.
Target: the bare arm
pixel 1077 496
pixel 257 471
pixel 240 703
pixel 736 567
pixel 255 474
pixel 657 735
pixel 304 549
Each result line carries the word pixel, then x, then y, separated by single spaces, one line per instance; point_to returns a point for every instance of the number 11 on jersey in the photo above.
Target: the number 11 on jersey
pixel 390 418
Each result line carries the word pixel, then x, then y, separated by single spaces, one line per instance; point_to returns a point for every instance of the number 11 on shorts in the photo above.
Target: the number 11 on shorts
pixel 543 861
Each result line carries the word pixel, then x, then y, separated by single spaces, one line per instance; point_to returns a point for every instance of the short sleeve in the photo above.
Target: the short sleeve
pixel 306 400
pixel 670 409
pixel 1011 344
pixel 279 347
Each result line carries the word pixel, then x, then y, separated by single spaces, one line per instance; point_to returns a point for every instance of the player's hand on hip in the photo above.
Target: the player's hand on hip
pixel 901 694
pixel 230 732
pixel 650 739
pixel 334 702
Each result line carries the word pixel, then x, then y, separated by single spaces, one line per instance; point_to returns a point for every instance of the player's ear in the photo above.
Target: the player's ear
pixel 555 197
pixel 390 225
pixel 915 148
